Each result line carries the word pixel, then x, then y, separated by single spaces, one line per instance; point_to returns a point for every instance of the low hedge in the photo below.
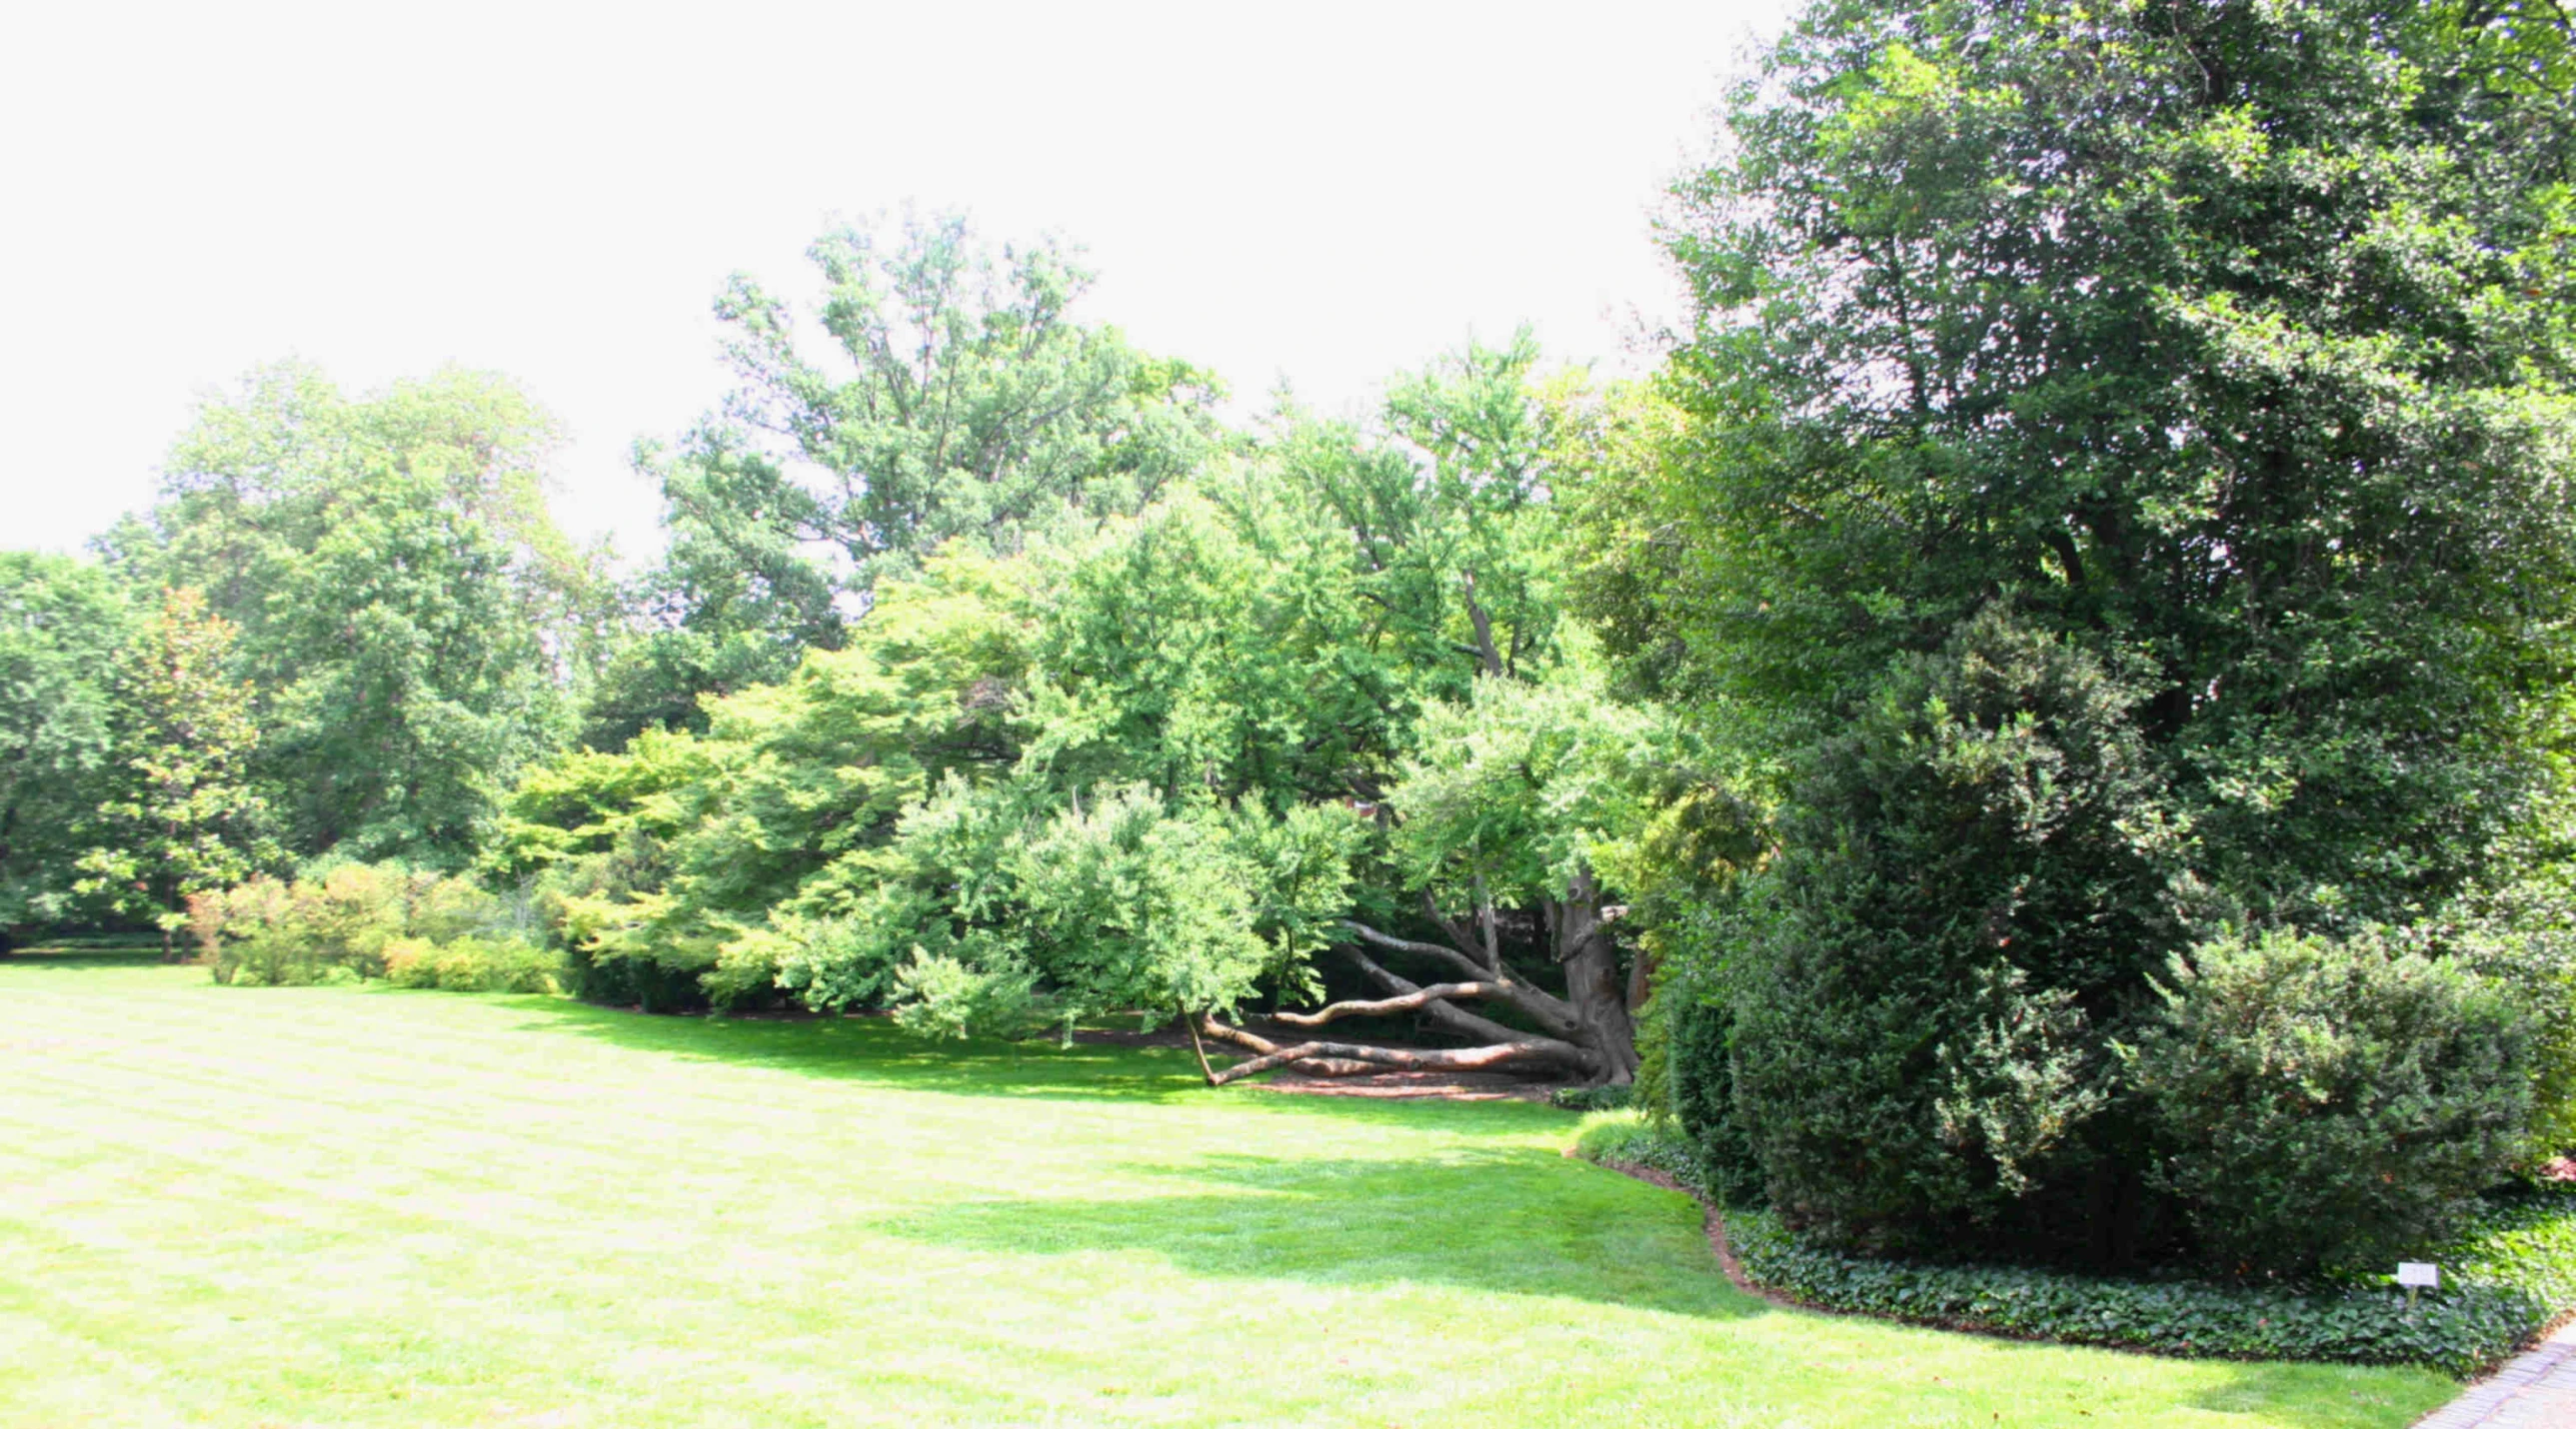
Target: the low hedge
pixel 2510 1275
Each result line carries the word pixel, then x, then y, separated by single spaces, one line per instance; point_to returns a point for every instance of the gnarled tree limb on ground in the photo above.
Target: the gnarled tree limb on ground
pixel 1562 1042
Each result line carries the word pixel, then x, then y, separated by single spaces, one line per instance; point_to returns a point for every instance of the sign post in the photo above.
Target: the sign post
pixel 2417 1275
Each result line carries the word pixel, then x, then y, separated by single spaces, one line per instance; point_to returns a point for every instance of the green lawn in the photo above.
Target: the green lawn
pixel 362 1206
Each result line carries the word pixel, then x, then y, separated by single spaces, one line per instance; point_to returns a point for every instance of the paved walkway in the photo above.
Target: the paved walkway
pixel 2535 1390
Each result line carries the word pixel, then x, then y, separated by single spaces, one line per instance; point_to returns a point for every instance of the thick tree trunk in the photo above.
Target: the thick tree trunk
pixel 1592 983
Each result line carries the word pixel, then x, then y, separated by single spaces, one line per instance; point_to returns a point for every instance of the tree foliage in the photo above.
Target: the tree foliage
pixel 1159 762
pixel 955 397
pixel 2120 497
pixel 183 819
pixel 63 624
pixel 413 622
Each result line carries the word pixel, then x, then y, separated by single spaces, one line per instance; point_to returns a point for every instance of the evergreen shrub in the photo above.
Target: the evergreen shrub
pixel 2330 1103
pixel 2508 1273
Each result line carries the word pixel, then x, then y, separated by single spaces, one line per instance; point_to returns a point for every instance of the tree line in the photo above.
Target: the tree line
pixel 2040 726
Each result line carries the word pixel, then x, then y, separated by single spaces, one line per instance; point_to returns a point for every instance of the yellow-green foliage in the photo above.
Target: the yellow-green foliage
pixel 363 921
pixel 471 965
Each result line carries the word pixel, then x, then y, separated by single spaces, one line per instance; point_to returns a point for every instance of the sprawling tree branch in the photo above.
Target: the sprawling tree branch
pixel 1450 927
pixel 1263 1046
pixel 1402 1002
pixel 1451 956
pixel 1458 1059
pixel 1551 1013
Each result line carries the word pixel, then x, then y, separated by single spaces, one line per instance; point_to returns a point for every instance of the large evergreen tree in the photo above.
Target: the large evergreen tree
pixel 2125 501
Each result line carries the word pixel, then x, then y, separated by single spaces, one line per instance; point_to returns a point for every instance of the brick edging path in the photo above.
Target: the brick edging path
pixel 2535 1390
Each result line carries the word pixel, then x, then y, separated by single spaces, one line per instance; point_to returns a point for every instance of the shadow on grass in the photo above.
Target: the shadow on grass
pixel 873 1050
pixel 1509 1223
pixel 73 958
pixel 1492 1221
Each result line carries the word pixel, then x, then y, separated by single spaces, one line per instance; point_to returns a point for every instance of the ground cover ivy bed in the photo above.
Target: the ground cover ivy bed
pixel 2511 1275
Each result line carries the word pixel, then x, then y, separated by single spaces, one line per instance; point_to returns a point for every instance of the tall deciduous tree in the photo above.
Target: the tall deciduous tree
pixel 1154 765
pixel 957 396
pixel 415 625
pixel 186 821
pixel 63 623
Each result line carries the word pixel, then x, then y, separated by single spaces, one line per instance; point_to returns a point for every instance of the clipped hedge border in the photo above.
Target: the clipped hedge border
pixel 2508 1279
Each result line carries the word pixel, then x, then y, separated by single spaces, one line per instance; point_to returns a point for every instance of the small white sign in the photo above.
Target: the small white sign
pixel 2415 1273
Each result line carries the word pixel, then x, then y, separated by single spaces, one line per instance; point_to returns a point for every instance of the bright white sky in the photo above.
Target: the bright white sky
pixel 1326 192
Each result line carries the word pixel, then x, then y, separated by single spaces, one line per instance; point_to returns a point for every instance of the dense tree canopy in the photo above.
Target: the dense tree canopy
pixel 181 818
pixel 1154 762
pixel 956 397
pixel 63 623
pixel 2124 502
pixel 412 620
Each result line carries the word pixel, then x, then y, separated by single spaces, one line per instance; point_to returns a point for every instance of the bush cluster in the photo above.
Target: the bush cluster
pixel 2153 720
pixel 2468 1325
pixel 1940 1022
pixel 361 921
pixel 2508 1273
pixel 2330 1103
pixel 472 964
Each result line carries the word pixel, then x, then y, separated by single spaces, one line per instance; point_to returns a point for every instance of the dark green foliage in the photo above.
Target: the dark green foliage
pixel 2331 1103
pixel 63 623
pixel 961 400
pixel 2121 497
pixel 412 622
pixel 2510 1272
pixel 181 818
pixel 2469 1325
pixel 645 984
pixel 1973 877
pixel 1700 1085
pixel 735 602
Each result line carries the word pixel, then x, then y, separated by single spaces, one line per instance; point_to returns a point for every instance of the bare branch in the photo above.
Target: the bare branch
pixel 1552 1014
pixel 1404 1002
pixel 1452 956
pixel 1318 1066
pixel 1486 926
pixel 1452 1059
pixel 1448 926
pixel 1488 658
